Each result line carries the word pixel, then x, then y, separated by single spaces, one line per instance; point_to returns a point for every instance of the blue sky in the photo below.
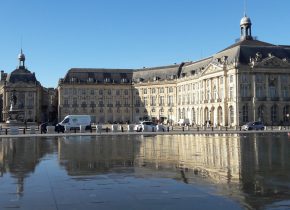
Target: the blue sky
pixel 61 34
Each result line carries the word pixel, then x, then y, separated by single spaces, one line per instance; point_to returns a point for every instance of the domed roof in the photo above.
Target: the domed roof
pixel 245 21
pixel 21 75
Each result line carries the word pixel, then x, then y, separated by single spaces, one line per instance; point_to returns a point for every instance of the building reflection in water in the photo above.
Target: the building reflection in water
pixel 20 156
pixel 252 169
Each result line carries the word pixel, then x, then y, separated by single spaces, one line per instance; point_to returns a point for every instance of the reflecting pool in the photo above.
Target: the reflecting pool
pixel 146 172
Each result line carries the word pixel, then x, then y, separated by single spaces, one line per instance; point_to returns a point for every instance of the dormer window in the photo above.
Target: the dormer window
pixel 140 79
pixel 107 80
pixel 90 80
pixel 156 78
pixel 172 76
pixel 73 79
pixel 124 80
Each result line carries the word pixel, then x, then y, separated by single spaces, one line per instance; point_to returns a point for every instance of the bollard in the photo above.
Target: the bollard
pixel 197 128
pixel 168 129
pixel 182 128
pixel 240 128
pixel 226 128
pixel 211 128
pixel 23 130
pixel 91 129
pixel 6 131
pixel 107 129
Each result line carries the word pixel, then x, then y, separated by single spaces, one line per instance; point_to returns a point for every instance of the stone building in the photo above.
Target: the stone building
pixel 247 81
pixel 106 94
pixel 30 95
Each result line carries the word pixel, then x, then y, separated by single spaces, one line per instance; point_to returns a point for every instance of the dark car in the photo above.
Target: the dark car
pixel 43 127
pixel 253 126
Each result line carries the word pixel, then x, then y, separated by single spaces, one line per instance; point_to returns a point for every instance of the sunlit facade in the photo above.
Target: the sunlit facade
pixel 247 81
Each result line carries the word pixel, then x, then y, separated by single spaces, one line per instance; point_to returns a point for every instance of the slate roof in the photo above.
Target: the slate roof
pixel 239 52
pixel 157 73
pixel 98 75
pixel 242 51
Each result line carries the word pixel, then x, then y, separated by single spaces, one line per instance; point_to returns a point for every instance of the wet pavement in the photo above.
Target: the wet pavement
pixel 248 171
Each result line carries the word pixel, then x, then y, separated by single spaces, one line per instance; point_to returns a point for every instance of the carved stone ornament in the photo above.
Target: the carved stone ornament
pixel 269 62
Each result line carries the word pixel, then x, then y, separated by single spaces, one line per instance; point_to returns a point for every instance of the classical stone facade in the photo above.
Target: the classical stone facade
pixel 247 81
pixel 31 99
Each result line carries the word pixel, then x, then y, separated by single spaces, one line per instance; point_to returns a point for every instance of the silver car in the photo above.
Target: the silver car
pixel 253 126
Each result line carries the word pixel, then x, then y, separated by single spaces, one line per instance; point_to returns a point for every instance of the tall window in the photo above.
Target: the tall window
pixel 231 109
pixel 259 90
pixel 161 101
pixel 261 113
pixel 274 116
pixel 170 100
pixel 153 102
pixel 245 113
pixel 145 100
pixel 231 93
pixel 286 113
pixel 285 92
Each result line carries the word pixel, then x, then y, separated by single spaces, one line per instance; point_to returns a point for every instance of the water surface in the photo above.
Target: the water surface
pixel 146 172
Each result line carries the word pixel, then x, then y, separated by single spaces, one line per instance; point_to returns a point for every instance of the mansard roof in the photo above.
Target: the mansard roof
pixel 241 52
pixel 157 73
pixel 98 75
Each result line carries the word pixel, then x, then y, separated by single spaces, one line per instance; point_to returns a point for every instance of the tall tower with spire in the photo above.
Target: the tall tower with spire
pixel 246 30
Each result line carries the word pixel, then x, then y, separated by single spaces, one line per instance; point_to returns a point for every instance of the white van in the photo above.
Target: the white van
pixel 75 121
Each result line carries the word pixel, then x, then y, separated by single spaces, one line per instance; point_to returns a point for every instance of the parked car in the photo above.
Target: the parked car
pixel 183 122
pixel 253 126
pixel 149 126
